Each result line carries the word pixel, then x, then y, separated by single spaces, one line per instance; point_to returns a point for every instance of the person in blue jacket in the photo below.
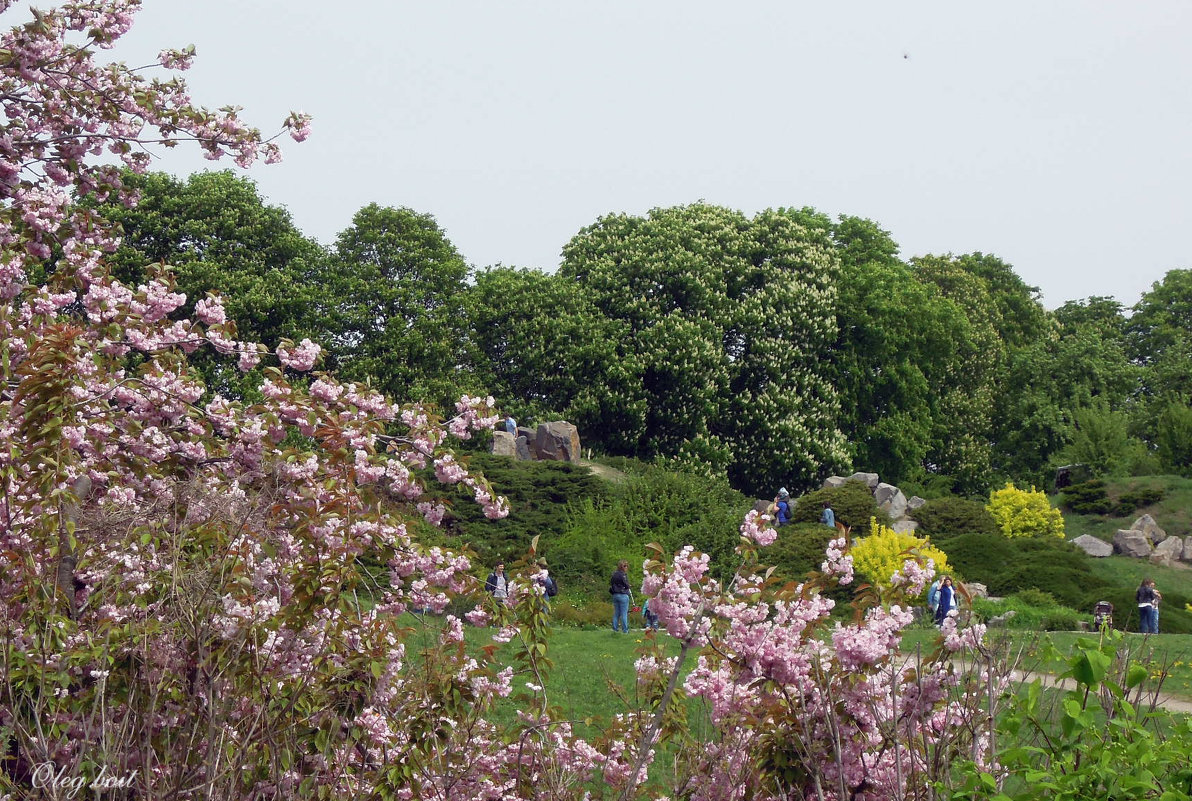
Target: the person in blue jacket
pixel 828 517
pixel 782 508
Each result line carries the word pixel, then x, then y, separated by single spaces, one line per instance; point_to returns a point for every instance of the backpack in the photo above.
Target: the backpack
pixel 552 587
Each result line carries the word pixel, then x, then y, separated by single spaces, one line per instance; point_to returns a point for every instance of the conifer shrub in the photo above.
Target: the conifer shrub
pixel 538 495
pixel 852 503
pixel 1024 513
pixel 1011 566
pixel 1087 498
pixel 880 553
pixel 949 516
pixel 1133 500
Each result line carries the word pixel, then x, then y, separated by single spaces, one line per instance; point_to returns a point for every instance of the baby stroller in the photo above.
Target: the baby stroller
pixel 1102 615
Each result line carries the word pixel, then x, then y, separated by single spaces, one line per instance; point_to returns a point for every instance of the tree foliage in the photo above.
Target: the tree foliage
pixel 724 315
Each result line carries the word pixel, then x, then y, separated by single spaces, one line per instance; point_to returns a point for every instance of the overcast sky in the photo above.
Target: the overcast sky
pixel 1055 135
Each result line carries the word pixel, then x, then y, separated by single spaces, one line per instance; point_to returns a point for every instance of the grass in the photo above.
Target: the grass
pixel 1173 512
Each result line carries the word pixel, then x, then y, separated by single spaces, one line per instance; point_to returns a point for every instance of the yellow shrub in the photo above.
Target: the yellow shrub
pixel 881 554
pixel 1019 513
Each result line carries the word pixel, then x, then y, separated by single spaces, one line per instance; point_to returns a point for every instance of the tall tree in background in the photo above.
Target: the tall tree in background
pixel 728 318
pixel 1159 339
pixel 542 348
pixel 218 234
pixel 964 391
pixel 394 304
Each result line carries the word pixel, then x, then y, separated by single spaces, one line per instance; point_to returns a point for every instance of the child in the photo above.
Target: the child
pixel 651 618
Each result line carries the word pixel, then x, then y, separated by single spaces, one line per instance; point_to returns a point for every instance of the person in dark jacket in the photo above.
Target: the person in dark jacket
pixel 497 585
pixel 1148 607
pixel 618 588
pixel 945 600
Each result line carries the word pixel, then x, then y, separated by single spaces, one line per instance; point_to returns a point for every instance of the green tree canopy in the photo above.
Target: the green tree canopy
pixel 393 311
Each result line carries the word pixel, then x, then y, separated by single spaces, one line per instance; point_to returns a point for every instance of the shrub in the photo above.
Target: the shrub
pixel 951 516
pixel 1088 498
pixel 852 503
pixel 594 614
pixel 1011 566
pixel 1022 513
pixel 1134 499
pixel 798 550
pixel 880 554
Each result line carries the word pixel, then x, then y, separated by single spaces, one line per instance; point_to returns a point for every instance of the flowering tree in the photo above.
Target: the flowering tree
pixel 187 592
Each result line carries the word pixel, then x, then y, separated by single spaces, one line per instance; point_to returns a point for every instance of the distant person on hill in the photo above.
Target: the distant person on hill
pixel 511 425
pixel 618 588
pixel 828 517
pixel 945 601
pixel 933 597
pixel 1148 607
pixel 497 584
pixel 782 508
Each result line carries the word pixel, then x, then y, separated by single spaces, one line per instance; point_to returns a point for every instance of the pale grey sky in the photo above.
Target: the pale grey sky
pixel 1053 134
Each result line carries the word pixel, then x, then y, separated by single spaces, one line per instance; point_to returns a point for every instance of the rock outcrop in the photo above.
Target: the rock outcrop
pixel 1130 542
pixel 557 442
pixel 1147 525
pixel 1093 546
pixel 1168 552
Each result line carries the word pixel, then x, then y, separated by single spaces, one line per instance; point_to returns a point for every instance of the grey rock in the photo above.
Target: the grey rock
pixel 915 502
pixel 524 453
pixel 1147 525
pixel 1168 551
pixel 503 444
pixel 904 524
pixel 557 441
pixel 761 506
pixel 890 499
pixel 1093 546
pixel 1129 542
pixel 832 482
pixel 527 432
pixel 1001 620
pixel 976 589
pixel 868 479
pixel 1187 549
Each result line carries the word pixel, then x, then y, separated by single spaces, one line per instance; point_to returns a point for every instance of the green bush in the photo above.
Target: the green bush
pixel 1135 499
pixel 1010 566
pixel 591 615
pixel 538 494
pixel 946 517
pixel 1088 498
pixel 1024 513
pixel 852 504
pixel 798 550
pixel 1034 610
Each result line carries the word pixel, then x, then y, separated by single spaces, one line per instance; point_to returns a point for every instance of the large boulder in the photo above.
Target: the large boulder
pixel 976 589
pixel 528 433
pixel 1130 542
pixel 503 444
pixel 1187 549
pixel 904 524
pixel 1147 525
pixel 832 482
pixel 890 499
pixel 557 441
pixel 1093 546
pixel 1168 551
pixel 915 502
pixel 524 452
pixel 868 479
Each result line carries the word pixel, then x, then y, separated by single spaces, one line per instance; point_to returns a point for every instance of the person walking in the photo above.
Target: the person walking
pixel 782 508
pixel 1148 607
pixel 827 516
pixel 945 600
pixel 618 588
pixel 497 584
